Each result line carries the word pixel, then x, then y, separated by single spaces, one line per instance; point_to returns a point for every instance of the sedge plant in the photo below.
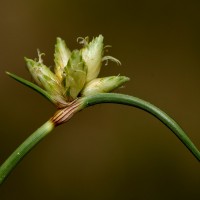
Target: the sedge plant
pixel 72 86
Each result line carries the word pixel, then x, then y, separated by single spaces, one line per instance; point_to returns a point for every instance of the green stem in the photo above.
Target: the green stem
pixel 23 149
pixel 144 105
pixel 65 114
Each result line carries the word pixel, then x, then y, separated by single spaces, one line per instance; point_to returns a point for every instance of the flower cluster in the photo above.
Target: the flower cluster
pixel 75 72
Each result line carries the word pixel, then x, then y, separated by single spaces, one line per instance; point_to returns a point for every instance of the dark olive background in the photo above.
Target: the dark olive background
pixel 106 152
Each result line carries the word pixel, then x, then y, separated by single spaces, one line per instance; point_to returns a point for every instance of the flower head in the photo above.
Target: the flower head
pixel 75 73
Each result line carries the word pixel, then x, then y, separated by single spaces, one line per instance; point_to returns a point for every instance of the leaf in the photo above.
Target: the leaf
pixel 31 85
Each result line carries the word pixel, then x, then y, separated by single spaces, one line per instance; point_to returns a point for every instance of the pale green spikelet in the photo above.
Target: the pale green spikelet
pixel 75 72
pixel 103 85
pixel 46 79
pixel 61 57
pixel 92 55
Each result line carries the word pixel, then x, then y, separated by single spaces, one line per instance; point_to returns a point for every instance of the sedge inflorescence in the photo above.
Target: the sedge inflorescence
pixel 75 72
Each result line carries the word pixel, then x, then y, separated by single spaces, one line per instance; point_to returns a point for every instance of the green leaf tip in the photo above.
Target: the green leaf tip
pixel 29 84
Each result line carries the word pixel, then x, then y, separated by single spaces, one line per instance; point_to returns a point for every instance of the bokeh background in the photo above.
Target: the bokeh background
pixel 106 152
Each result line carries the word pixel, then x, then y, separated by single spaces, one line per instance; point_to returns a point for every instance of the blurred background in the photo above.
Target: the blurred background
pixel 106 152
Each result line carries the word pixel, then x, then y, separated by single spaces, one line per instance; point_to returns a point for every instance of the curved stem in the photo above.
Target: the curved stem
pixel 24 148
pixel 65 114
pixel 144 105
